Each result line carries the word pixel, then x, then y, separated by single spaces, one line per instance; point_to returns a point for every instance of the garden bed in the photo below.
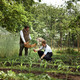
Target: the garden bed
pixel 49 66
pixel 52 74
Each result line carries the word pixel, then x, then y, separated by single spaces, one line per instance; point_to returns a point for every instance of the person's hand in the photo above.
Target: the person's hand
pixel 33 45
pixel 39 60
pixel 26 42
pixel 34 50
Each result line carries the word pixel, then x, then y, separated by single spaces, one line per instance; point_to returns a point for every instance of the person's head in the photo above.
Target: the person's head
pixel 44 43
pixel 26 28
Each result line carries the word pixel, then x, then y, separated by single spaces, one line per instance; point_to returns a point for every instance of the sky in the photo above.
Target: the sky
pixel 53 2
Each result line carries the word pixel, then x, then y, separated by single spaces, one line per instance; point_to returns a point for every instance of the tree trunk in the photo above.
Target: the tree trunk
pixel 51 43
pixel 61 39
pixel 78 43
pixel 69 40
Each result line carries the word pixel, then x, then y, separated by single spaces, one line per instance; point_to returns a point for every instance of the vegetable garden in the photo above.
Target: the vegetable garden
pixel 59 26
pixel 65 67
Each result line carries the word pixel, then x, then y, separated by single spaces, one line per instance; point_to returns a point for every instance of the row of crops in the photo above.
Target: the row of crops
pixel 65 61
pixel 11 75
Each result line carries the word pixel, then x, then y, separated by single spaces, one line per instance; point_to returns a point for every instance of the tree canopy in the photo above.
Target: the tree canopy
pixel 45 21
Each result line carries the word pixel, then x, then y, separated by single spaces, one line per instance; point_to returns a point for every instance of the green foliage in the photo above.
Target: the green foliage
pixel 8 45
pixel 33 41
pixel 45 21
pixel 48 22
pixel 68 51
pixel 15 15
pixel 74 25
pixel 71 51
pixel 39 0
pixel 26 3
pixel 11 75
pixel 69 4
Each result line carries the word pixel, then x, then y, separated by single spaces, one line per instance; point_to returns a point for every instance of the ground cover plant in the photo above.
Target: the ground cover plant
pixel 11 75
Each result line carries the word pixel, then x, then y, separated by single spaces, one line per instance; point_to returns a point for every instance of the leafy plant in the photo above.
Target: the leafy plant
pixel 45 64
pixel 78 67
pixel 11 75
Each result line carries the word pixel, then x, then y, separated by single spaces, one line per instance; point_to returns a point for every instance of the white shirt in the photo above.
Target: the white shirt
pixel 46 49
pixel 22 36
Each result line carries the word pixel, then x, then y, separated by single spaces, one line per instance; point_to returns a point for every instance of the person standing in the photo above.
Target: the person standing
pixel 24 38
pixel 46 54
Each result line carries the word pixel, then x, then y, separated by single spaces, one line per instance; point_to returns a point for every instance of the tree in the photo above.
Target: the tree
pixel 75 27
pixel 14 15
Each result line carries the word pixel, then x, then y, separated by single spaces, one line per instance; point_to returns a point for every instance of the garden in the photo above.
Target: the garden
pixel 65 64
pixel 59 26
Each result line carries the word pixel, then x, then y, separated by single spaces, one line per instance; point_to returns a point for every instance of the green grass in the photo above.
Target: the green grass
pixel 9 45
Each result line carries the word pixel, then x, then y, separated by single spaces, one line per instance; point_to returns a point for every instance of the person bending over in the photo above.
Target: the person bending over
pixel 46 54
pixel 24 38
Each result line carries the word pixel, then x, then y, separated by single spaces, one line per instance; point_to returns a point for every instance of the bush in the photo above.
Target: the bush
pixel 8 45
pixel 71 51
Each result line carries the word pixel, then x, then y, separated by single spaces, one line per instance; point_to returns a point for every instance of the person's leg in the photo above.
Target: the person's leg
pixel 48 56
pixel 26 51
pixel 40 53
pixel 21 49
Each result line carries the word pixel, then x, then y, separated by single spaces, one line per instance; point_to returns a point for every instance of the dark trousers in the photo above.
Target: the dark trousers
pixel 47 56
pixel 21 49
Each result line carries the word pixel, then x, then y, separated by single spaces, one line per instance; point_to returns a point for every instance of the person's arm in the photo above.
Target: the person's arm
pixel 45 52
pixel 22 36
pixel 42 56
pixel 36 50
pixel 30 37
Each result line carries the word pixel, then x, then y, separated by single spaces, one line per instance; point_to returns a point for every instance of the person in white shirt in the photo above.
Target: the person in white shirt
pixel 24 38
pixel 47 54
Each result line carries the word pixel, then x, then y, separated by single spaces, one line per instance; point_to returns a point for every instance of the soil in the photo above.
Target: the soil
pixel 38 65
pixel 52 74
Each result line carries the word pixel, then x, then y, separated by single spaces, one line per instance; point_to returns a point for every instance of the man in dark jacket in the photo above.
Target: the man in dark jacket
pixel 24 38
